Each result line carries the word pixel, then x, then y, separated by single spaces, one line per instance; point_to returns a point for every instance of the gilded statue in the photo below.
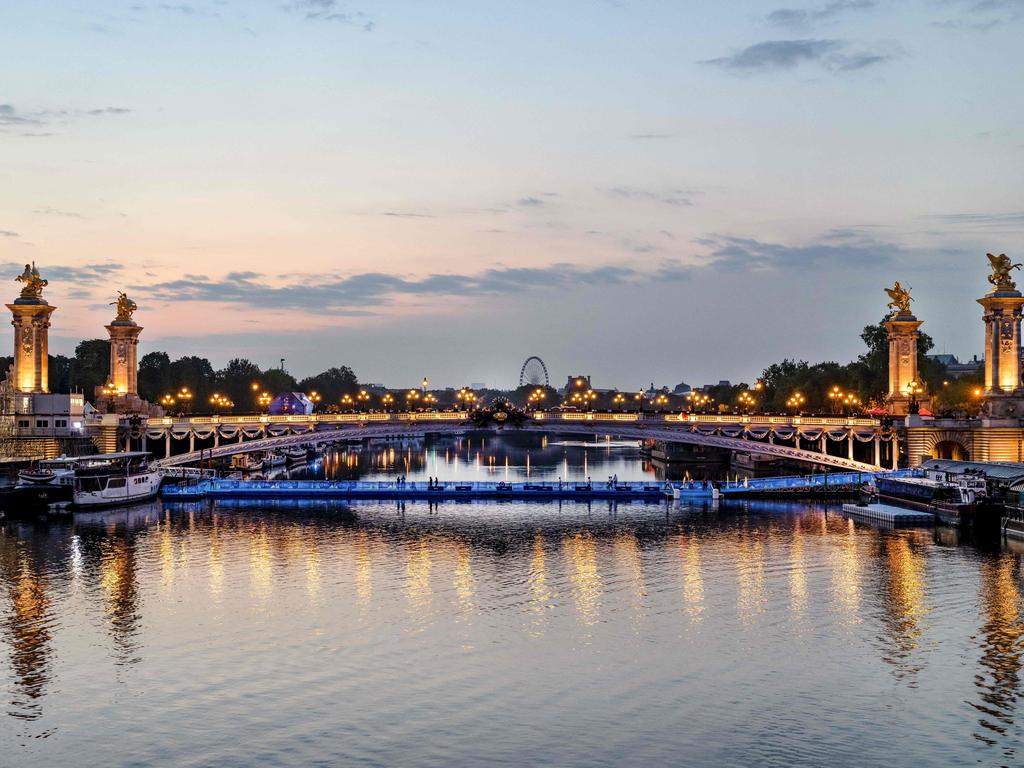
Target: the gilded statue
pixel 899 299
pixel 1001 268
pixel 34 284
pixel 125 306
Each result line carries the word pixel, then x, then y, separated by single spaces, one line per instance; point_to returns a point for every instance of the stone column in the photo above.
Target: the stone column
pixel 878 451
pixel 31 321
pixel 1004 397
pixel 903 333
pixel 124 368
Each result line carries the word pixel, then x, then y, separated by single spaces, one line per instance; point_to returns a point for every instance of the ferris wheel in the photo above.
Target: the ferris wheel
pixel 533 372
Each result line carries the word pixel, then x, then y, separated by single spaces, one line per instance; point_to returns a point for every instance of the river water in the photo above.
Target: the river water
pixel 504 633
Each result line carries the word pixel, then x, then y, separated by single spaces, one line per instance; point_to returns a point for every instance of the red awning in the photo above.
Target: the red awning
pixel 877 412
pixel 925 413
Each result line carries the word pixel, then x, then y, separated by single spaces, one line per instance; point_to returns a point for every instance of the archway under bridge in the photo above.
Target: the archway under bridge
pixel 681 434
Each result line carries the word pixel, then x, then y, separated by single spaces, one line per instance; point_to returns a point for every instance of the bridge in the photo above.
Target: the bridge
pixel 778 436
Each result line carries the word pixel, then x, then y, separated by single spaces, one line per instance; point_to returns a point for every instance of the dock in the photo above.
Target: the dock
pixel 451 490
pixel 889 515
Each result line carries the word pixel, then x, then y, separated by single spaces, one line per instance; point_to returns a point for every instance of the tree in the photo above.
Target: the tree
pixel 153 377
pixel 91 366
pixel 276 381
pixel 60 368
pixel 235 381
pixel 196 374
pixel 331 384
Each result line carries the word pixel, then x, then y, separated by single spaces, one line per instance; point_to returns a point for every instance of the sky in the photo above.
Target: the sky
pixel 638 190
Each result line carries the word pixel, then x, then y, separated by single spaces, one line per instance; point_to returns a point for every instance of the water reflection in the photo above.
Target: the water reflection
pixel 904 603
pixel 27 629
pixel 117 579
pixel 581 557
pixel 623 603
pixel 998 682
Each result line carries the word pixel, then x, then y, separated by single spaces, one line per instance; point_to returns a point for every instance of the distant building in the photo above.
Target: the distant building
pixel 682 388
pixel 576 383
pixel 288 403
pixel 478 385
pixel 954 368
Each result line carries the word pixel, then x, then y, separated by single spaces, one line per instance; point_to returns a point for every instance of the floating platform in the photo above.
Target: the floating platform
pixel 342 489
pixel 889 515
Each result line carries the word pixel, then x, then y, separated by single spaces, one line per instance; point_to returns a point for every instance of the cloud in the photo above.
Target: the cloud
pixel 983 15
pixel 1012 220
pixel 841 248
pixel 11 117
pixel 98 274
pixel 677 197
pixel 8 233
pixel 48 211
pixel 331 10
pixel 802 18
pixel 652 136
pixel 529 202
pixel 357 295
pixel 773 55
pixel 408 215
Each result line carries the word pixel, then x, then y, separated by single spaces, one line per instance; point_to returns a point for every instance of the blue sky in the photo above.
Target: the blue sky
pixel 641 191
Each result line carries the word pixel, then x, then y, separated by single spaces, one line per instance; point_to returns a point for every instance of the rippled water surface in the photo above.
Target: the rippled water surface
pixel 504 633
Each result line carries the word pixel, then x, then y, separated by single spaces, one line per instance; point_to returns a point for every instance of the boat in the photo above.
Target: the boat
pixel 295 453
pixel 273 459
pixel 108 479
pixel 58 471
pixel 246 462
pixel 960 499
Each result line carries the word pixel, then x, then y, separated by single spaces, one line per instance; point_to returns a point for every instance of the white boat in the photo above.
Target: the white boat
pixel 246 462
pixel 108 479
pixel 299 453
pixel 274 459
pixel 59 471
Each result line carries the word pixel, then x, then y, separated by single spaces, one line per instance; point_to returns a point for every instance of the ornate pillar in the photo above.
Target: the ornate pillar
pixel 1004 396
pixel 903 334
pixel 124 342
pixel 31 321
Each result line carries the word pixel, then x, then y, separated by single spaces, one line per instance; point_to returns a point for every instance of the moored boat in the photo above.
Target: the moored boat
pixel 959 500
pixel 60 471
pixel 273 459
pixel 114 478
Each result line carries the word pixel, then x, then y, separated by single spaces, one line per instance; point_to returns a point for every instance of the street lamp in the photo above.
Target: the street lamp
pixel 747 401
pixel 363 397
pixel 185 397
pixel 913 388
pixel 264 400
pixel 465 397
pixel 315 398
pixel 386 401
pixel 796 402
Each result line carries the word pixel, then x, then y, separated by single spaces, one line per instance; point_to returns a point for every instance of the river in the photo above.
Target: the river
pixel 507 633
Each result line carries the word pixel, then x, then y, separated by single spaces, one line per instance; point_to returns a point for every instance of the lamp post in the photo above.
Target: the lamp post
pixel 913 388
pixel 315 398
pixel 796 402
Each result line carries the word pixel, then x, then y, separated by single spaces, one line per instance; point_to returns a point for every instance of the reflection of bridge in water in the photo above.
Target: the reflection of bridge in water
pixel 855 444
